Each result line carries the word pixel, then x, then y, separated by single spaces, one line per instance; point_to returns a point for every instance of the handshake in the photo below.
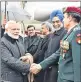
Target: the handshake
pixel 34 68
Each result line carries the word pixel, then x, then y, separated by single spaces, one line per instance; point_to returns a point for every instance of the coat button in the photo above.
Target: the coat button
pixel 50 67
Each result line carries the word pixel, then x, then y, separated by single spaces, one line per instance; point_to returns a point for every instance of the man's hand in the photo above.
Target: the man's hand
pixel 35 68
pixel 28 58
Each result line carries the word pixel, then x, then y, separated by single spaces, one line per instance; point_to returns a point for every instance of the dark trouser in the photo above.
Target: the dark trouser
pixel 39 77
pixel 51 74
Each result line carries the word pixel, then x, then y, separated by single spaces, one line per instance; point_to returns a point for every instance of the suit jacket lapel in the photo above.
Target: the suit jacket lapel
pixel 35 39
pixel 29 43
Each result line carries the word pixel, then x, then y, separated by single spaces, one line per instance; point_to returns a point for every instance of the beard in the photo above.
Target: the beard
pixel 58 28
pixel 13 36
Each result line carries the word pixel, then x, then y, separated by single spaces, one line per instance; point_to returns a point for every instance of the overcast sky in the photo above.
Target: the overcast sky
pixel 44 5
pixel 32 7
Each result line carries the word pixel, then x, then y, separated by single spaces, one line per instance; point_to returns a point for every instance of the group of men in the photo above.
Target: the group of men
pixel 54 58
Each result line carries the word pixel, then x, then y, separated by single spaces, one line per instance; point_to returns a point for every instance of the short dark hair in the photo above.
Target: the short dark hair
pixel 29 26
pixel 76 17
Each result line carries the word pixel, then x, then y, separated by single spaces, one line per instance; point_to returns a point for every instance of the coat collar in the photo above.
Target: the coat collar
pixel 10 38
pixel 58 32
pixel 8 41
pixel 68 33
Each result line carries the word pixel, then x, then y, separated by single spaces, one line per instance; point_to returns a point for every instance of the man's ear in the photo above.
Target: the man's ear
pixel 70 18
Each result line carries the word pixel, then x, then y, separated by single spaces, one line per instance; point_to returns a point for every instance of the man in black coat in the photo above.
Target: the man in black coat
pixel 46 29
pixel 12 68
pixel 51 72
pixel 32 41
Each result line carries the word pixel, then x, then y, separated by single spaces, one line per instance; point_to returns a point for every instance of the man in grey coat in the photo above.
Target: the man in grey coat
pixel 12 68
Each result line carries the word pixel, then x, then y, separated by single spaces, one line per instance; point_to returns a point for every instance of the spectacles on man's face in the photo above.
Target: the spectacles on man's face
pixel 57 21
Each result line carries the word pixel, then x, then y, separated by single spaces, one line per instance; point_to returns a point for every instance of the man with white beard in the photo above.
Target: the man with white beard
pixel 12 68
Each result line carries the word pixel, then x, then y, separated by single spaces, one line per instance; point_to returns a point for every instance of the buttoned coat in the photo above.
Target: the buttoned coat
pixel 12 68
pixel 31 44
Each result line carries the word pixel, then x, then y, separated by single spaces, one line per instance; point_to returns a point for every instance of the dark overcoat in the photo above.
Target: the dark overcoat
pixel 51 72
pixel 39 56
pixel 31 44
pixel 49 45
pixel 12 68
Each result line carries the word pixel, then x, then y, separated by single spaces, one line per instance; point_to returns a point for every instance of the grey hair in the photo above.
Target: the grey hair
pixel 9 22
pixel 48 25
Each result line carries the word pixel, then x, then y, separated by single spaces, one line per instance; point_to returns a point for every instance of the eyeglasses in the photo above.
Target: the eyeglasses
pixel 57 21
